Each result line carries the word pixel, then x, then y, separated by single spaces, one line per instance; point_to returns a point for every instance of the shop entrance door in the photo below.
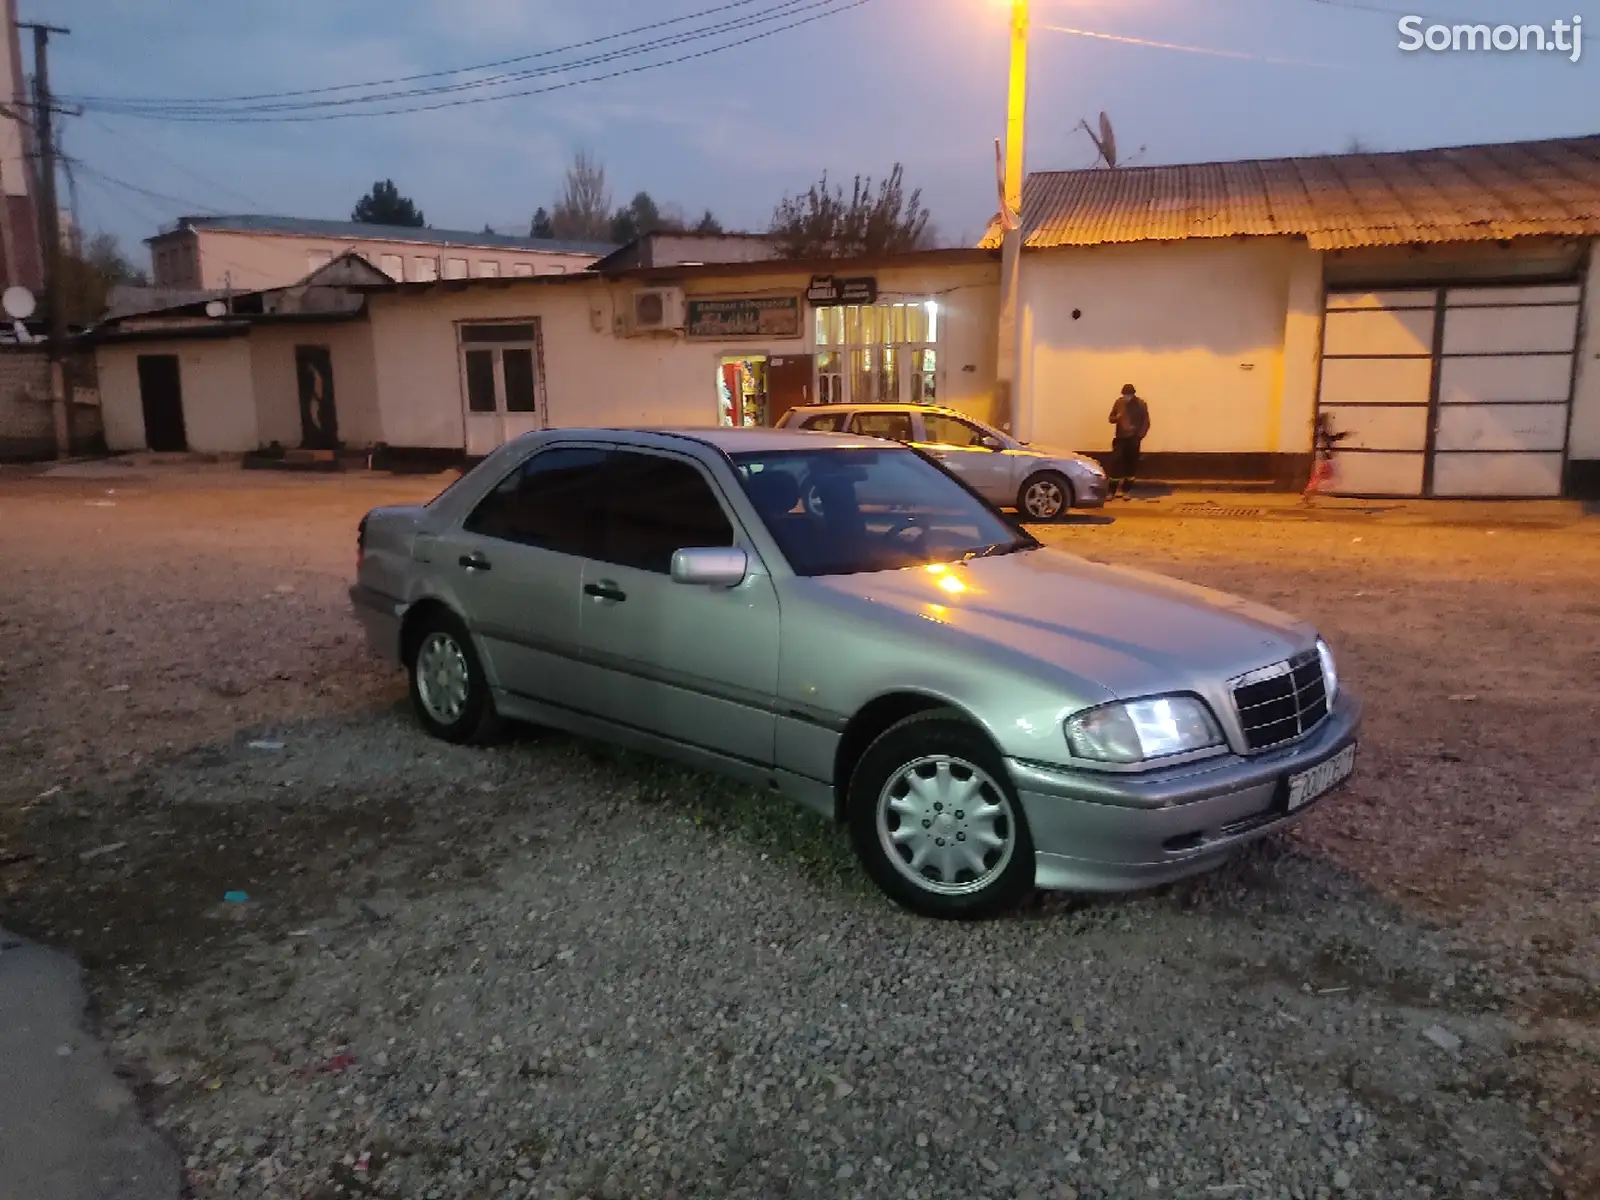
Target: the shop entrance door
pixel 788 384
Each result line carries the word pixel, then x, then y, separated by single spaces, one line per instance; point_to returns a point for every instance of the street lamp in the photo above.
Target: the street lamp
pixel 1007 365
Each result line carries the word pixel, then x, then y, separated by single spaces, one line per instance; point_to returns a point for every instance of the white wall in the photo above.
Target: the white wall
pixel 593 377
pixel 1199 327
pixel 219 411
pixel 277 392
pixel 1584 442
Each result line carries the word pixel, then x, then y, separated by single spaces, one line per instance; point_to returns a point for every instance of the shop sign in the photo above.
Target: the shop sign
pixel 831 290
pixel 714 318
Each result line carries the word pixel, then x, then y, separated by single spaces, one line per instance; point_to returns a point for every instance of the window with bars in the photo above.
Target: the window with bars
pixel 885 353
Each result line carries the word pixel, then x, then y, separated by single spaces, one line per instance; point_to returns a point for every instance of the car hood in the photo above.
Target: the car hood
pixel 1131 632
pixel 1033 451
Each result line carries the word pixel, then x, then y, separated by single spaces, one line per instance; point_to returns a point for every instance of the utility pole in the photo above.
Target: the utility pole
pixel 1008 399
pixel 50 221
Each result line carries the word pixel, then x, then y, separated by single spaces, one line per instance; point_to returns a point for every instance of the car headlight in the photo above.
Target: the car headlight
pixel 1330 674
pixel 1133 731
pixel 1092 467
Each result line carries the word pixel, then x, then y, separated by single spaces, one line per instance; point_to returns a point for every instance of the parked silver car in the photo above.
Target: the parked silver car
pixel 1039 483
pixel 987 715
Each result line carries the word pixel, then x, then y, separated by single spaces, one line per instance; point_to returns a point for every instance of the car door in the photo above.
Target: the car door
pixel 515 571
pixel 693 664
pixel 959 446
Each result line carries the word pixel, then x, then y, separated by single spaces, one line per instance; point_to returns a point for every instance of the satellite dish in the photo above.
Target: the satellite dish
pixel 1108 141
pixel 19 303
pixel 216 308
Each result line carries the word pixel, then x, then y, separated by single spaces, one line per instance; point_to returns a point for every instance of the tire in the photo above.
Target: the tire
pixel 1044 496
pixel 937 746
pixel 449 691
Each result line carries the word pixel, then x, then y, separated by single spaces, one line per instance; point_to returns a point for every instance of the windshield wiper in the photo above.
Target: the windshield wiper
pixel 998 549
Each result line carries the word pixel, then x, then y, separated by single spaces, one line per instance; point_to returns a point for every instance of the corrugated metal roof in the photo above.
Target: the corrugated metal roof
pixel 1462 193
pixel 354 231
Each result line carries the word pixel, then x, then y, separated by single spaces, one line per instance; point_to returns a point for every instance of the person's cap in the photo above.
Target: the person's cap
pixel 1128 389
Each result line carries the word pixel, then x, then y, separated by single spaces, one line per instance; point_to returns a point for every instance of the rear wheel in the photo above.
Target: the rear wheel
pixel 449 691
pixel 1044 497
pixel 936 821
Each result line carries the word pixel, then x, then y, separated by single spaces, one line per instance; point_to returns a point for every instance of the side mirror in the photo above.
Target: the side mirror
pixel 710 566
pixel 990 443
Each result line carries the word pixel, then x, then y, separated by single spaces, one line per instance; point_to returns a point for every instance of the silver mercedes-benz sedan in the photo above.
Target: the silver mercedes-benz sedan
pixel 985 714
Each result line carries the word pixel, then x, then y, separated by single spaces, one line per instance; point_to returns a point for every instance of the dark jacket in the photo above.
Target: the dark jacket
pixel 1131 416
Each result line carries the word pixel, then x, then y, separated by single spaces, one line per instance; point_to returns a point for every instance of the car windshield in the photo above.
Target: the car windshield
pixel 851 511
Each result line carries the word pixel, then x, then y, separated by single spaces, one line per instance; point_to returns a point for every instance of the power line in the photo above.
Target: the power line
pixel 781 10
pixel 171 161
pixel 1366 7
pixel 150 193
pixel 398 79
pixel 195 113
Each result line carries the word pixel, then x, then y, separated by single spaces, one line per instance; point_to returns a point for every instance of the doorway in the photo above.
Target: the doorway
pixel 502 382
pixel 161 398
pixel 788 384
pixel 742 390
pixel 319 419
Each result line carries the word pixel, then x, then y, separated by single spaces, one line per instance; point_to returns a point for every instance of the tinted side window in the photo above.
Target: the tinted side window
pixel 826 422
pixel 656 506
pixel 894 426
pixel 554 501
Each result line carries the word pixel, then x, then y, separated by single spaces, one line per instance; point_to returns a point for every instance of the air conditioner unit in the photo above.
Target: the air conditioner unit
pixel 656 310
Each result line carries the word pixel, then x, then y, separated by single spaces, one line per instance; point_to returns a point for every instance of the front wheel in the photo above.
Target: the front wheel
pixel 1044 497
pixel 936 821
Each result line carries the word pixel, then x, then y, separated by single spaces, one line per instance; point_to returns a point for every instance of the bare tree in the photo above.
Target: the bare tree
pixel 1356 146
pixel 821 223
pixel 583 212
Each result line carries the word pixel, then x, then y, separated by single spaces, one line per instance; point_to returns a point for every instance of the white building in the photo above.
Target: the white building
pixel 249 253
pixel 1438 305
pixel 463 365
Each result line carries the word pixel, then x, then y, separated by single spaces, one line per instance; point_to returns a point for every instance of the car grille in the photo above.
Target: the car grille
pixel 1280 703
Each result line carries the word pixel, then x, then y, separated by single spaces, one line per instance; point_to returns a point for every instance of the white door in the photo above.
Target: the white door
pixel 1377 379
pixel 499 383
pixel 1450 392
pixel 1504 390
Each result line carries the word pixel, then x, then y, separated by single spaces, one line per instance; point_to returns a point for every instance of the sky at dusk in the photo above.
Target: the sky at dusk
pixel 918 81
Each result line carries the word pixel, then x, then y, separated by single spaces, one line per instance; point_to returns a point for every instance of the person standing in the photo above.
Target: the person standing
pixel 1131 417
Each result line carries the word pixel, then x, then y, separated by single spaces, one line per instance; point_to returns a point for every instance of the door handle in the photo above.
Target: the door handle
pixel 474 562
pixel 605 591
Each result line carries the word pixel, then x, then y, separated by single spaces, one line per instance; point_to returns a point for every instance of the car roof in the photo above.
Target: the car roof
pixel 727 439
pixel 922 408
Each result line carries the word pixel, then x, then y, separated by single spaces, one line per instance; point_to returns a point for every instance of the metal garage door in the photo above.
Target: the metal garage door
pixel 1459 391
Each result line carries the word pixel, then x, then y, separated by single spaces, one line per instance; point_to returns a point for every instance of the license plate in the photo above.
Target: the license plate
pixel 1308 785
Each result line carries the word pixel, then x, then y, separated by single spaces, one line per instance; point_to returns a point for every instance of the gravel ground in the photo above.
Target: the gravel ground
pixel 548 968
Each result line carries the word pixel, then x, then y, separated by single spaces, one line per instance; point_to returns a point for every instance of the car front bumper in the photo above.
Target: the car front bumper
pixel 1105 832
pixel 1089 491
pixel 380 617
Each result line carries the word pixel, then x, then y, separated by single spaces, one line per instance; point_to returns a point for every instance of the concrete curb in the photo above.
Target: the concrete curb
pixel 70 1128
